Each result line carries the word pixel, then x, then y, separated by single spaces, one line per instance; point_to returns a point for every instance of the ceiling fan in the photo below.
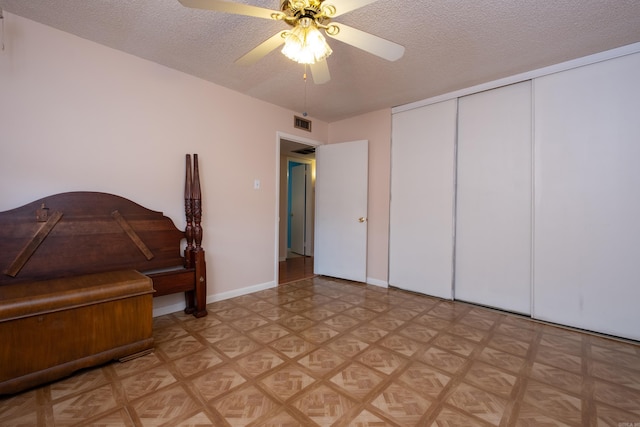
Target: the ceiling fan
pixel 303 42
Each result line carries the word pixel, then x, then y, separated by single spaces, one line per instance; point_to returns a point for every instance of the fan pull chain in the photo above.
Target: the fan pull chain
pixel 1 31
pixel 304 112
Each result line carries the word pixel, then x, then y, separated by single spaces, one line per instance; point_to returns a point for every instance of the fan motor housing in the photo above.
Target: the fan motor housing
pixel 297 9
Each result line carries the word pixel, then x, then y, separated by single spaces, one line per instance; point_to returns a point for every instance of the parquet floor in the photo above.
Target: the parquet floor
pixel 323 352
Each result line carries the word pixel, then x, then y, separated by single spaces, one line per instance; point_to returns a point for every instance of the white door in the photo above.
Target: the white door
pixel 586 209
pixel 341 210
pixel 422 196
pixel 493 219
pixel 298 208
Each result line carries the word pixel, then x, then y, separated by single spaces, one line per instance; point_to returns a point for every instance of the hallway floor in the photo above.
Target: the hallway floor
pixel 325 352
pixel 295 268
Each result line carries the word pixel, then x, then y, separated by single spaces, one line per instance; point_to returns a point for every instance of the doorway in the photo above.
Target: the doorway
pixel 296 205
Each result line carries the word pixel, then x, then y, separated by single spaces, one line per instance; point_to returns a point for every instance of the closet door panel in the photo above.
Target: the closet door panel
pixel 493 208
pixel 587 205
pixel 422 185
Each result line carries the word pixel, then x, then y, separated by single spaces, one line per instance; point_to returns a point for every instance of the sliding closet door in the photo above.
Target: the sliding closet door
pixel 421 222
pixel 587 207
pixel 493 209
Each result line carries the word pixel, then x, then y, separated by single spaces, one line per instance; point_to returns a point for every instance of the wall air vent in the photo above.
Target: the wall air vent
pixel 309 150
pixel 300 123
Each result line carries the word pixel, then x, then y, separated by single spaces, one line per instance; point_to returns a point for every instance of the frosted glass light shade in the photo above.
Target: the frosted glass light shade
pixel 305 44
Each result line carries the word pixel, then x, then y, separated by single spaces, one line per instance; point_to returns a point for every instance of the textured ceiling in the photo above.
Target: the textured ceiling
pixel 450 44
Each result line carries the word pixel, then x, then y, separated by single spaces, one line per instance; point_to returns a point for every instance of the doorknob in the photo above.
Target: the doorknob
pixel 362 219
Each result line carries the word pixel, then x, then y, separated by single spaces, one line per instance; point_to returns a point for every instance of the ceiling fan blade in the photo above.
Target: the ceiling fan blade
pixel 344 6
pixel 230 7
pixel 368 42
pixel 320 72
pixel 261 50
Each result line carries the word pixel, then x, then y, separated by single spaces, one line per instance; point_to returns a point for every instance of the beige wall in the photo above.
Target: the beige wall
pixel 75 115
pixel 375 127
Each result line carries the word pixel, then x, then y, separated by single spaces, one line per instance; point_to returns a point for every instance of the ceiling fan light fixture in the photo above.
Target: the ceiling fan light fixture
pixel 305 44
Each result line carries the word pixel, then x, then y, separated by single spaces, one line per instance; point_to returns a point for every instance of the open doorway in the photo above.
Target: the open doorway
pixel 296 209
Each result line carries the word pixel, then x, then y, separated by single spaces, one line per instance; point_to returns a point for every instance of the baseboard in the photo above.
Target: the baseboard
pixel 168 309
pixel 240 292
pixel 376 282
pixel 174 308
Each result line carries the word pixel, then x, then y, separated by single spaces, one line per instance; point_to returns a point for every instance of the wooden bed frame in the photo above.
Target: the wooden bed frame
pixel 78 271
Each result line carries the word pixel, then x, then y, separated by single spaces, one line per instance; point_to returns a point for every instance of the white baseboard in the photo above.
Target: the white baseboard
pixel 168 309
pixel 376 282
pixel 240 292
pixel 174 308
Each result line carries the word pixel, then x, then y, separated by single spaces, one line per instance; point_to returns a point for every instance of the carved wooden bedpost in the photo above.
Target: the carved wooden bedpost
pixel 196 300
pixel 188 210
pixel 197 253
pixel 196 196
pixel 189 296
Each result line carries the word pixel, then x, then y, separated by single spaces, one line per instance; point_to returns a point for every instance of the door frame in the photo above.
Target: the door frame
pixel 302 140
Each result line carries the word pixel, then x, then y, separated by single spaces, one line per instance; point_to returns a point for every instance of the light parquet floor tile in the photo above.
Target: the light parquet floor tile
pixel 164 407
pixel 244 406
pixel 491 379
pixel 281 419
pixel 618 396
pixel 83 381
pixel 367 419
pixel 530 416
pixel 402 405
pixel 382 360
pixel 287 382
pixel 450 418
pixel 180 347
pixel 502 360
pixel 333 353
pixel 564 380
pixel 198 362
pixel 323 405
pixel 217 382
pixel 357 380
pixel 554 402
pixel 84 406
pixel 616 374
pixel 147 382
pixel 321 361
pixel 425 380
pixel 479 403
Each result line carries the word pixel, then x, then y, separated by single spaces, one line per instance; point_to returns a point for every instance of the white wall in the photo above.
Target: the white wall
pixel 75 115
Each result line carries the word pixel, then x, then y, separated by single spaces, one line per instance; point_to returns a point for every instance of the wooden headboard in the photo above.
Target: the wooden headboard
pixel 78 233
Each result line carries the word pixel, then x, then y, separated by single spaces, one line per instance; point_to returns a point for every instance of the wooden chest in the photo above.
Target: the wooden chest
pixel 51 328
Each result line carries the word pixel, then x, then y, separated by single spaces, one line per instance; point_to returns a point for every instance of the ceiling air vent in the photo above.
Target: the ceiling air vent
pixel 300 123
